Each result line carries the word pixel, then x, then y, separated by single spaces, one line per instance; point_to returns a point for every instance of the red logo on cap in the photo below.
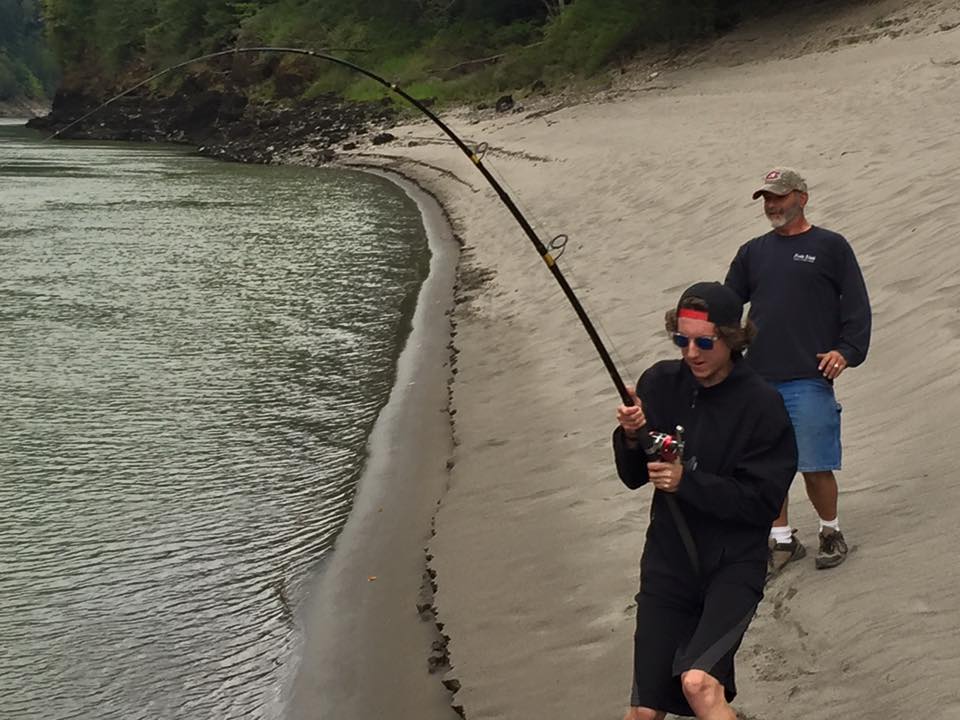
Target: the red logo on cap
pixel 773 175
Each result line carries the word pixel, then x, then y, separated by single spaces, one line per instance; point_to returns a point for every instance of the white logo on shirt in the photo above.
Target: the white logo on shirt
pixel 803 257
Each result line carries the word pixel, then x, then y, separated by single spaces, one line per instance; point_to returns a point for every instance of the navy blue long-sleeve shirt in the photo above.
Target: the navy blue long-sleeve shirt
pixel 807 296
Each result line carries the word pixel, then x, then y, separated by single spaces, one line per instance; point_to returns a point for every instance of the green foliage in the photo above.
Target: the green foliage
pixel 26 65
pixel 594 33
pixel 177 28
pixel 9 87
pixel 17 80
pixel 446 49
pixel 120 30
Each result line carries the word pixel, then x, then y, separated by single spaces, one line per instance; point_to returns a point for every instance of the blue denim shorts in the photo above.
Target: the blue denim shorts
pixel 815 414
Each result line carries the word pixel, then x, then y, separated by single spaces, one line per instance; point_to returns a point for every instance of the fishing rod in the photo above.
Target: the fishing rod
pixel 657 446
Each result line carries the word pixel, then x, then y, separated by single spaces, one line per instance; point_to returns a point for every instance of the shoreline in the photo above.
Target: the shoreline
pixel 369 620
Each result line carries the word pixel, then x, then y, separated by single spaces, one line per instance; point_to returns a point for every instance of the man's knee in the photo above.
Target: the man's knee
pixel 642 713
pixel 701 688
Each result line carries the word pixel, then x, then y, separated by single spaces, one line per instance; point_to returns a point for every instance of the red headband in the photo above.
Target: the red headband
pixel 693 314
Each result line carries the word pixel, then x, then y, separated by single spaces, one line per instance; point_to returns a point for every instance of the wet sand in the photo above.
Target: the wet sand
pixel 366 646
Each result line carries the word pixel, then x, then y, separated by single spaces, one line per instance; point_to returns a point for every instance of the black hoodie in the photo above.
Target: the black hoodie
pixel 740 458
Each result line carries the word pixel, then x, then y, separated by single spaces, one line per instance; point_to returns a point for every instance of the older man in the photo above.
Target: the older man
pixel 809 302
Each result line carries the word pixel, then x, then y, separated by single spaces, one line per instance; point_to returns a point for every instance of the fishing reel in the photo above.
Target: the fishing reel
pixel 664 447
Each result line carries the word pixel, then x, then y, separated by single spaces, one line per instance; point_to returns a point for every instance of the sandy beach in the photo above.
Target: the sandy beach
pixel 537 544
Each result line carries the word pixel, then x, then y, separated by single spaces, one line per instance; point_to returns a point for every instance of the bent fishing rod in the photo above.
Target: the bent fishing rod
pixel 656 445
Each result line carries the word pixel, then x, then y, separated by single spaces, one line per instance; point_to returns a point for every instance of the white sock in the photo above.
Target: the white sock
pixel 832 524
pixel 781 534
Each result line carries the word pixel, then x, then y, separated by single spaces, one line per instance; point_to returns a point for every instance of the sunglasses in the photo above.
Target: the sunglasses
pixel 703 342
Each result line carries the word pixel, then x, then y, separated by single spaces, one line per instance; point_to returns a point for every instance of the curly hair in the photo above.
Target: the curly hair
pixel 737 338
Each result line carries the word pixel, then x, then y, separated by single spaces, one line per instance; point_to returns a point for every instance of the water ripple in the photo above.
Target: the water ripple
pixel 191 358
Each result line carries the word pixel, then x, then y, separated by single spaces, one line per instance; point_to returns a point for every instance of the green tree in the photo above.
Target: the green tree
pixel 26 66
pixel 66 21
pixel 119 30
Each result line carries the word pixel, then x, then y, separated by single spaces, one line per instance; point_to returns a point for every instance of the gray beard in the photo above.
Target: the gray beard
pixel 777 222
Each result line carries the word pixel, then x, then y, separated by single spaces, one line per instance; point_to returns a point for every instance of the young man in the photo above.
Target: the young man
pixel 809 303
pixel 704 560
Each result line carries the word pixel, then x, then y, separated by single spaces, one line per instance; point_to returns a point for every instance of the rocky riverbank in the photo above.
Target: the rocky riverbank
pixel 23 108
pixel 226 124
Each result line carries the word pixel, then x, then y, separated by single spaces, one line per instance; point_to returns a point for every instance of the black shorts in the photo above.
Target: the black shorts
pixel 679 630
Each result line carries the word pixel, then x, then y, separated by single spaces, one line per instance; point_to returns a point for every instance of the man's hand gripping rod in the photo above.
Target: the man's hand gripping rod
pixel 660 447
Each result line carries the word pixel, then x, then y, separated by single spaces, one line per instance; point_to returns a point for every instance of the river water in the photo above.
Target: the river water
pixel 192 355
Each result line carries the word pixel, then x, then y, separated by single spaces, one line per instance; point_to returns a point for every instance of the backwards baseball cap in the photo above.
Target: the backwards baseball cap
pixel 780 181
pixel 724 306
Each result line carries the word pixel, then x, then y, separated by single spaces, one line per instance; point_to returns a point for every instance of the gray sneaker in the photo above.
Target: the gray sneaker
pixel 833 549
pixel 783 553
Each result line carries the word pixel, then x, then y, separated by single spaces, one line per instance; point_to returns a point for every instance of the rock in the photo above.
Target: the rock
pixel 350 146
pixel 200 112
pixel 425 610
pixel 326 156
pixel 504 103
pixel 453 685
pixel 383 138
pixel 240 130
pixel 231 108
pixel 436 663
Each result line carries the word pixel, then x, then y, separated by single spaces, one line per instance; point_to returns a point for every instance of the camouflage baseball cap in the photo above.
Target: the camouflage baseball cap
pixel 780 181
